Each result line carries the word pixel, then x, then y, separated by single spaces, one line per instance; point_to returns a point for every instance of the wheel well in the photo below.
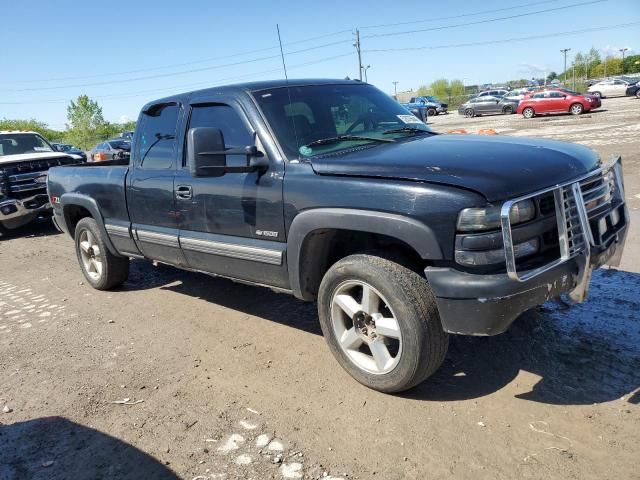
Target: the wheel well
pixel 322 248
pixel 72 215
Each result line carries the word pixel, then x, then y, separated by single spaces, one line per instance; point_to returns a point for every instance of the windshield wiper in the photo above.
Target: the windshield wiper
pixel 346 138
pixel 406 129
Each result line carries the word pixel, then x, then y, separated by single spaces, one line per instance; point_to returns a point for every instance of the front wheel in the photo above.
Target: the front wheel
pixel 469 113
pixel 528 112
pixel 432 112
pixel 381 322
pixel 597 94
pixel 576 109
pixel 508 110
pixel 102 269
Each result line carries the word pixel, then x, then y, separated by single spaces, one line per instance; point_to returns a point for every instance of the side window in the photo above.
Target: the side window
pixel 234 131
pixel 539 95
pixel 157 139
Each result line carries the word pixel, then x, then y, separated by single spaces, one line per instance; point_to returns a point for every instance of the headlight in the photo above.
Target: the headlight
pixel 488 257
pixel 477 219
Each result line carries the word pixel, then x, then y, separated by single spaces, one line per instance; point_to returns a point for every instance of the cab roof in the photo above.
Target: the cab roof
pixel 254 87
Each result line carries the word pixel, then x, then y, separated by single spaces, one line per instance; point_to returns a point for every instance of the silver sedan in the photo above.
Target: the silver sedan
pixel 487 104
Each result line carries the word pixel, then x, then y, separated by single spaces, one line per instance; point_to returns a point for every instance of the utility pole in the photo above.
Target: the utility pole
pixel 395 89
pixel 564 74
pixel 356 44
pixel 622 50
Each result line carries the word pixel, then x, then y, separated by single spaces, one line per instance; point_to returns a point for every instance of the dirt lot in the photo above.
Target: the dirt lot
pixel 222 378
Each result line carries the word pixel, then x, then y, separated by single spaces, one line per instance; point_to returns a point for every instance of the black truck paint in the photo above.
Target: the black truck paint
pixel 285 220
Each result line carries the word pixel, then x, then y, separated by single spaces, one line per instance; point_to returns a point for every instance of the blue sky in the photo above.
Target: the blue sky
pixel 126 53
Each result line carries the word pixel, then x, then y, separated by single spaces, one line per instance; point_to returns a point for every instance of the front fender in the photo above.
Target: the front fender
pixel 412 232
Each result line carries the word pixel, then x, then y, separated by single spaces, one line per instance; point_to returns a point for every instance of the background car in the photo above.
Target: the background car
pixel 593 99
pixel 111 150
pixel 609 88
pixel 633 89
pixel 553 101
pixel 68 148
pixel 487 104
pixel 492 93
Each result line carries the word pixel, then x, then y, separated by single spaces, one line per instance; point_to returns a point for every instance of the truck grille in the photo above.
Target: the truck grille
pixel 589 212
pixel 19 180
pixel 576 240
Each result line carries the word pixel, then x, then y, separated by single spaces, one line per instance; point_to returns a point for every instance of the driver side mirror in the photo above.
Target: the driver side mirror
pixel 207 154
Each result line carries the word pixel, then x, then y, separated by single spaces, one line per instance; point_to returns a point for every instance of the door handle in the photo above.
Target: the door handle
pixel 184 191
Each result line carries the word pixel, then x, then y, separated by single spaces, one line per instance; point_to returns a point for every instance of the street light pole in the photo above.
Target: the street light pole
pixel 395 89
pixel 564 74
pixel 574 75
pixel 365 73
pixel 622 50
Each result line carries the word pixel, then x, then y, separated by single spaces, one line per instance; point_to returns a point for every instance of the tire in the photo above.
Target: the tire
pixel 508 110
pixel 597 94
pixel 432 112
pixel 100 267
pixel 576 109
pixel 412 335
pixel 528 112
pixel 469 113
pixel 638 93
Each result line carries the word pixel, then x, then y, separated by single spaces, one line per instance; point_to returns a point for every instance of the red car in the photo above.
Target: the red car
pixel 554 101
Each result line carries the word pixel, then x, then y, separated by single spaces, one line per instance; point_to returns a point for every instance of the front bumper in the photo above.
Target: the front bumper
pixel 15 213
pixel 473 304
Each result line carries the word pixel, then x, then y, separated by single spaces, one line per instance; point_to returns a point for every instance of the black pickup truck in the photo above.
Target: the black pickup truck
pixel 331 191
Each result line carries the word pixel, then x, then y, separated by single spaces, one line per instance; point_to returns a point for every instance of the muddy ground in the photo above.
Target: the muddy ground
pixel 225 381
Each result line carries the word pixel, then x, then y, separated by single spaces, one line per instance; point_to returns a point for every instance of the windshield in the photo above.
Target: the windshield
pixel 18 143
pixel 121 144
pixel 321 112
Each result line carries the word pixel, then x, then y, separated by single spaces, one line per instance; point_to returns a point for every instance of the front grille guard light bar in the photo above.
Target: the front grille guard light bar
pixel 572 188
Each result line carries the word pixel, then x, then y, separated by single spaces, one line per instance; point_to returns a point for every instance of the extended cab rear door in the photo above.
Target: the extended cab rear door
pixel 150 192
pixel 233 224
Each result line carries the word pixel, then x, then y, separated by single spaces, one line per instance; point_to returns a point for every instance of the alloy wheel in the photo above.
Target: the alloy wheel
pixel 91 255
pixel 366 328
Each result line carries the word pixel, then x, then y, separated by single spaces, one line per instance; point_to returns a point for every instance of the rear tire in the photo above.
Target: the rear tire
pixel 394 340
pixel 528 112
pixel 102 269
pixel 576 109
pixel 638 93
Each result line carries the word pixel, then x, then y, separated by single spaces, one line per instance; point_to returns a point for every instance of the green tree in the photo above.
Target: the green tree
pixel 552 76
pixel 632 64
pixel 423 90
pixel 85 122
pixel 457 88
pixel 441 88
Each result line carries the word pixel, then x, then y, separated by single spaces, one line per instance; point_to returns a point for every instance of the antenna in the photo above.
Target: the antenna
pixel 286 79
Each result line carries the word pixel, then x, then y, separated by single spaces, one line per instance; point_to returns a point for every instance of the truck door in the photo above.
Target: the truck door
pixel 233 224
pixel 150 195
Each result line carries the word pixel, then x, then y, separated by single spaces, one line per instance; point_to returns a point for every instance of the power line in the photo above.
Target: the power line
pixel 211 83
pixel 184 64
pixel 173 74
pixel 507 40
pixel 478 22
pixel 435 19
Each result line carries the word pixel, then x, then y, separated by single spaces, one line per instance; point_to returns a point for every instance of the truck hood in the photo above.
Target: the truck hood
pixel 497 167
pixel 35 156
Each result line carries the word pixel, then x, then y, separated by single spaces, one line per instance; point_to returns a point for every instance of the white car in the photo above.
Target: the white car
pixel 609 88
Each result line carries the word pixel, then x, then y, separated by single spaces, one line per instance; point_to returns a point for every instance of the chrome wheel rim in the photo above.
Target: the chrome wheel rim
pixel 528 113
pixel 90 255
pixel 576 109
pixel 365 327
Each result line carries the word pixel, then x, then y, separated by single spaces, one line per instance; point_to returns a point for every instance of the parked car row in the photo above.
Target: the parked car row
pixel 115 149
pixel 68 148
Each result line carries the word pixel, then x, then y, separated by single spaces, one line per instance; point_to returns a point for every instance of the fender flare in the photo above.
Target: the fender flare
pixel 80 200
pixel 412 232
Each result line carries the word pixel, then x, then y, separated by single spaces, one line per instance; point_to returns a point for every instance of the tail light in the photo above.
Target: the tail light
pixel 99 157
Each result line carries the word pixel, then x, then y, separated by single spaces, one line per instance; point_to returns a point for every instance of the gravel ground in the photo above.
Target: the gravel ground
pixel 178 375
